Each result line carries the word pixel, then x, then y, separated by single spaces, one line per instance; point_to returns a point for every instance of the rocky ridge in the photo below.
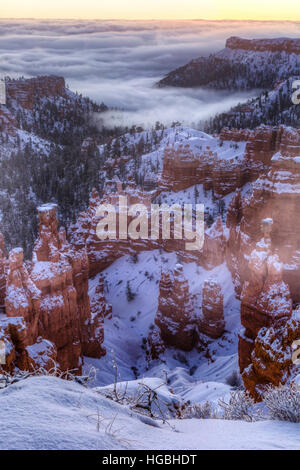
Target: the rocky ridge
pixel 243 64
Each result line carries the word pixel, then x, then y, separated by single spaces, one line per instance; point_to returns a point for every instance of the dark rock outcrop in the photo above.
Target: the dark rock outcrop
pixel 175 315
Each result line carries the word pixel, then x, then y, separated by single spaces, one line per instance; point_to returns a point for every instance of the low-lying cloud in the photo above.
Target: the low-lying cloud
pixel 118 62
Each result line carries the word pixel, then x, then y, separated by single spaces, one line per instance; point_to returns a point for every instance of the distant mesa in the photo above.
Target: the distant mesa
pixel 291 46
pixel 244 64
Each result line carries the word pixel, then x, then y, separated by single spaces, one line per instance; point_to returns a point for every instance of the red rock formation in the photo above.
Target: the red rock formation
pixel 22 296
pixel 180 168
pixel 46 247
pixel 261 45
pixel 288 141
pixel 61 274
pixel 47 310
pixel 261 147
pixel 277 196
pixel 19 328
pixel 212 324
pixel 175 315
pixel 184 168
pixel 265 311
pixel 99 307
pixel 269 285
pixel 235 135
pixel 13 335
pixel 19 353
pixel 177 319
pixel 261 144
pixel 271 359
pixel 27 91
pixel 90 322
pixel 94 333
pixel 102 253
pixel 7 349
pixel 265 298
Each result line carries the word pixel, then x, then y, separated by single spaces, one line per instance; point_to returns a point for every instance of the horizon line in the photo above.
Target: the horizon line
pixel 151 19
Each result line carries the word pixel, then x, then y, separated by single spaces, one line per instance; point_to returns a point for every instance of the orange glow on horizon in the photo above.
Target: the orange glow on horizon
pixel 156 9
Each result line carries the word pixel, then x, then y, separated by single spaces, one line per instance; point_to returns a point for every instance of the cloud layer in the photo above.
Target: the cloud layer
pixel 119 61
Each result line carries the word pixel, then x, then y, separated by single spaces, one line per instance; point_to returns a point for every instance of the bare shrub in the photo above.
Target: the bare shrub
pixel 283 403
pixel 148 401
pixel 239 407
pixel 200 411
pixel 7 378
pixel 129 292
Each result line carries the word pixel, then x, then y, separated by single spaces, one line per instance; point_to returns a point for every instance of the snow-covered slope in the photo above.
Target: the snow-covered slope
pixel 47 413
pixel 270 108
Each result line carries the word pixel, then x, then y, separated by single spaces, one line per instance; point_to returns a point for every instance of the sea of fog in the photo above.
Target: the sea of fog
pixel 118 62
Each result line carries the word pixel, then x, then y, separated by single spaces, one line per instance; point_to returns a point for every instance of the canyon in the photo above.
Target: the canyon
pixel 48 316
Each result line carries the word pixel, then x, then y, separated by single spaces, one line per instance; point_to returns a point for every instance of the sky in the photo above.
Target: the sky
pixel 154 9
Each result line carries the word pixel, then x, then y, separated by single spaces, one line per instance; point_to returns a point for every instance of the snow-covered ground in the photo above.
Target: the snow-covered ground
pixel 48 413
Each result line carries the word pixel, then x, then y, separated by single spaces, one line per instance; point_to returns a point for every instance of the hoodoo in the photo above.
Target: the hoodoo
pixel 47 316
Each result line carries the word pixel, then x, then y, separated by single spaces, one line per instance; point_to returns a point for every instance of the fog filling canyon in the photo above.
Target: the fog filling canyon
pixel 119 62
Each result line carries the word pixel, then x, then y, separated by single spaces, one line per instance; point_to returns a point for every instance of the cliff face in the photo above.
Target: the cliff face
pixel 276 196
pixel 27 91
pixel 265 343
pixel 47 309
pixel 184 167
pixel 266 270
pixel 274 45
